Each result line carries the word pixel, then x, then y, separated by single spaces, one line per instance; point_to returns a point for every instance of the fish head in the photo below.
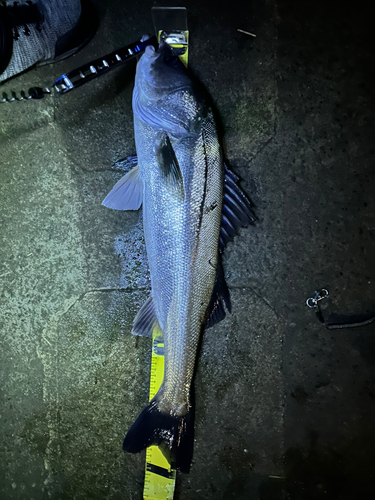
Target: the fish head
pixel 164 95
pixel 160 72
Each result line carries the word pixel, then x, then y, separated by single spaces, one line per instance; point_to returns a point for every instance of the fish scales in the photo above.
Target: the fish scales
pixel 181 241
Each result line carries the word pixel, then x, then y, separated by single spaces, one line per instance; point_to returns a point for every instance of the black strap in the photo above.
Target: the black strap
pixel 349 323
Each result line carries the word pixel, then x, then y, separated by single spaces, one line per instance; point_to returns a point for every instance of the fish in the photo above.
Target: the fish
pixel 192 207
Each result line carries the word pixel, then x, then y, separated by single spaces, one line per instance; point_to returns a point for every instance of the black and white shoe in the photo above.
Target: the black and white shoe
pixel 42 32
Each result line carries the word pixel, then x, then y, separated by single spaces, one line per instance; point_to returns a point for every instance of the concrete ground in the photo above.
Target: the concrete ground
pixel 284 407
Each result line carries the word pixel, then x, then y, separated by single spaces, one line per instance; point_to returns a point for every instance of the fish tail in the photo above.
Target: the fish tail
pixel 174 435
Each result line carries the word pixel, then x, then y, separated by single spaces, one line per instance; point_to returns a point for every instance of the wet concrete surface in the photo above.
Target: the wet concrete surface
pixel 284 407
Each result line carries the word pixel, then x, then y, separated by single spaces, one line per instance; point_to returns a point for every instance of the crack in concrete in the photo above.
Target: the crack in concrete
pixel 257 295
pixel 265 144
pixel 49 358
pixel 73 301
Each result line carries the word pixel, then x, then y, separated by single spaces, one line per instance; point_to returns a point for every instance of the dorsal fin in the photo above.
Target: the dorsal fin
pixel 236 209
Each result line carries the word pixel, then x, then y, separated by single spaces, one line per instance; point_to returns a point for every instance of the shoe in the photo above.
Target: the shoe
pixel 43 32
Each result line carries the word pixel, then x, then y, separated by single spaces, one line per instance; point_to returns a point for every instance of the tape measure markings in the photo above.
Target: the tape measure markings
pixel 160 471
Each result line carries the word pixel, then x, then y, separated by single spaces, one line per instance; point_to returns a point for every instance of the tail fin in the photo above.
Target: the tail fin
pixel 153 427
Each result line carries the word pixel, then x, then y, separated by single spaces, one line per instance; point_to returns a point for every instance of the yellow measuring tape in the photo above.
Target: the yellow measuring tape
pixel 160 478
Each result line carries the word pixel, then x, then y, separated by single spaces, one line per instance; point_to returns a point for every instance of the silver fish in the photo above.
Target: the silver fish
pixel 191 208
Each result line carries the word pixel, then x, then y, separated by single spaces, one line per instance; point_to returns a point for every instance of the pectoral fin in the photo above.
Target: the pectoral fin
pixel 169 166
pixel 127 194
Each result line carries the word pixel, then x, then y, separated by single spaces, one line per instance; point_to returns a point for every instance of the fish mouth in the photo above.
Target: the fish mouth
pixel 150 52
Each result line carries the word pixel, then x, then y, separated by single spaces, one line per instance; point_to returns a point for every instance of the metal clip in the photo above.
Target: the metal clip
pixel 313 301
pixel 177 37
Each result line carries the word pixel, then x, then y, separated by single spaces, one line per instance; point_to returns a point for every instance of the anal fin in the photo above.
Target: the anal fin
pixel 146 319
pixel 220 296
